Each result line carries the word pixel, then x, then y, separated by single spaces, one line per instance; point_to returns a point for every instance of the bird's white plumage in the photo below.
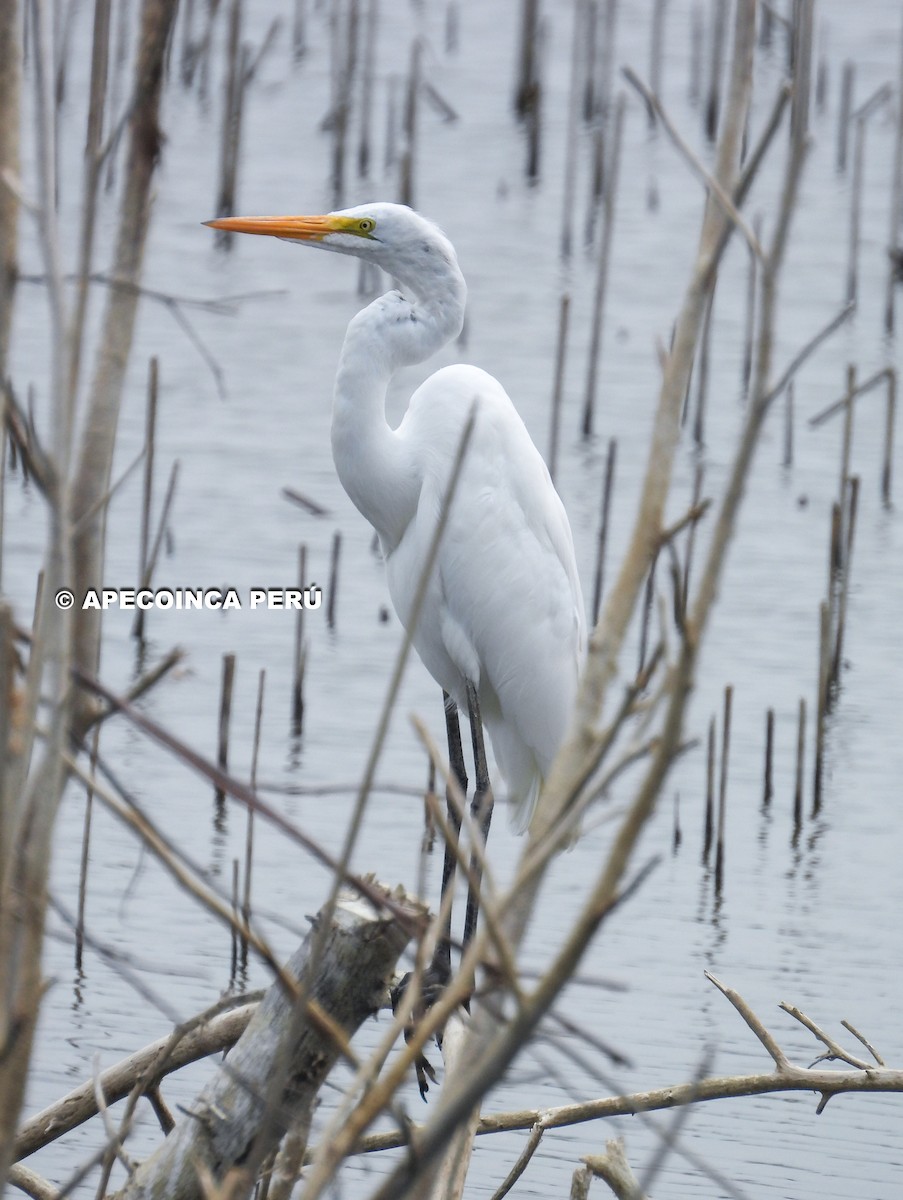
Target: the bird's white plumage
pixel 504 607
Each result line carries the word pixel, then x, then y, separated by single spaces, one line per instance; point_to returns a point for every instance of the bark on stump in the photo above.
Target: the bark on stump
pixel 270 1080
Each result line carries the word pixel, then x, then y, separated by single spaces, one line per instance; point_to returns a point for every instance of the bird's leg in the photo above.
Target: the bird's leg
pixel 480 809
pixel 441 965
pixel 438 973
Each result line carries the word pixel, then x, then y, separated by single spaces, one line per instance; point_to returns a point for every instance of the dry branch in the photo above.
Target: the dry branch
pixel 92 477
pixel 155 1061
pixel 10 88
pixel 785 1076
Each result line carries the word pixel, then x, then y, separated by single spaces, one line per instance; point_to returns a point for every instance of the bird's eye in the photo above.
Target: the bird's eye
pixel 366 225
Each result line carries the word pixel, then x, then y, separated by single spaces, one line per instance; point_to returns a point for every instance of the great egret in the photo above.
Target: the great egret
pixel 502 626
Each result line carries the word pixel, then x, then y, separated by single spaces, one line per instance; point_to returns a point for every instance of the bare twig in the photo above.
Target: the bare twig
pixel 711 183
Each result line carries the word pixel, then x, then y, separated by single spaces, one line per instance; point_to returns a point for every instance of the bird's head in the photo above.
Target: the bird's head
pixel 392 236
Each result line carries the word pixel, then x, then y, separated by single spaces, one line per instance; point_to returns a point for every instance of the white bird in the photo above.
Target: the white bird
pixel 503 616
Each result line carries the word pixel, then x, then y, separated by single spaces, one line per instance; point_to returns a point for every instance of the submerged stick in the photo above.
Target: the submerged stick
pixel 150 429
pixel 698 475
pixel 608 483
pixel 364 138
pixel 233 925
pixel 648 598
pixel 843 119
pixel 300 658
pixel 851 506
pixel 656 44
pixel 709 827
pixel 847 443
pixel 896 201
pixel 333 579
pixel 890 414
pixel 225 713
pixel 601 112
pixel 697 33
pixel 390 153
pixel 558 385
pixel 855 210
pixel 824 684
pixel 749 325
pixel 86 846
pixel 526 85
pixel 233 105
pixel 534 115
pixel 602 269
pixel 299 30
pixel 249 833
pixel 768 790
pixel 719 40
pixel 722 787
pixel 589 52
pixel 788 427
pixel 409 149
pixel 800 763
pixel 702 372
pixel 570 153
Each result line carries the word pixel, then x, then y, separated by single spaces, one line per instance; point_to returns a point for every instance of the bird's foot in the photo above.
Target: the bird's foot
pixel 434 981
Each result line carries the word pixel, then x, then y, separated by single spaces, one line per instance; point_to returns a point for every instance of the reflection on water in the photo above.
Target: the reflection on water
pixel 809 916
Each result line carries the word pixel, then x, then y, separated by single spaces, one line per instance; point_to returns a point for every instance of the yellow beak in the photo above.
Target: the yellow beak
pixel 299 229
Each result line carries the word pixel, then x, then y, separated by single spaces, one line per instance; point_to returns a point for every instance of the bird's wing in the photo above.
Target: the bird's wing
pixel 506 605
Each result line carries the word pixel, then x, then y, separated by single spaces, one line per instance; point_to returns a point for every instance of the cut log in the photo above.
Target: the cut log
pixel 271 1078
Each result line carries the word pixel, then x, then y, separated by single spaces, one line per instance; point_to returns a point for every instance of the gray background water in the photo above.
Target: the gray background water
pixel 815 922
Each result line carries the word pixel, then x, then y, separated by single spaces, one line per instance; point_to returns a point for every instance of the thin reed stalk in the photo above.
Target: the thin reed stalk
pixel 332 599
pixel 558 384
pixel 225 716
pixel 722 787
pixel 698 476
pixel 249 832
pixel 719 40
pixel 824 685
pixel 300 655
pixel 847 85
pixel 800 765
pixel 851 506
pixel 889 420
pixel 708 833
pixel 526 83
pixel 607 489
pixel 365 133
pixel 237 56
pixel 768 787
pixel 578 53
pixel 85 855
pixel 656 47
pixel 147 491
pixel 702 373
pixel 697 34
pixel 787 460
pixel 749 324
pixel 10 97
pixel 602 271
pixel 896 205
pixel 407 166
pixel 855 210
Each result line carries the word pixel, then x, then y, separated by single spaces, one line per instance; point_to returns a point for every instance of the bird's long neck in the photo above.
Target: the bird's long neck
pixel 396 330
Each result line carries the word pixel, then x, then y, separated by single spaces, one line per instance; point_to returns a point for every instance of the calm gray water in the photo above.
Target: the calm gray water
pixel 814 922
